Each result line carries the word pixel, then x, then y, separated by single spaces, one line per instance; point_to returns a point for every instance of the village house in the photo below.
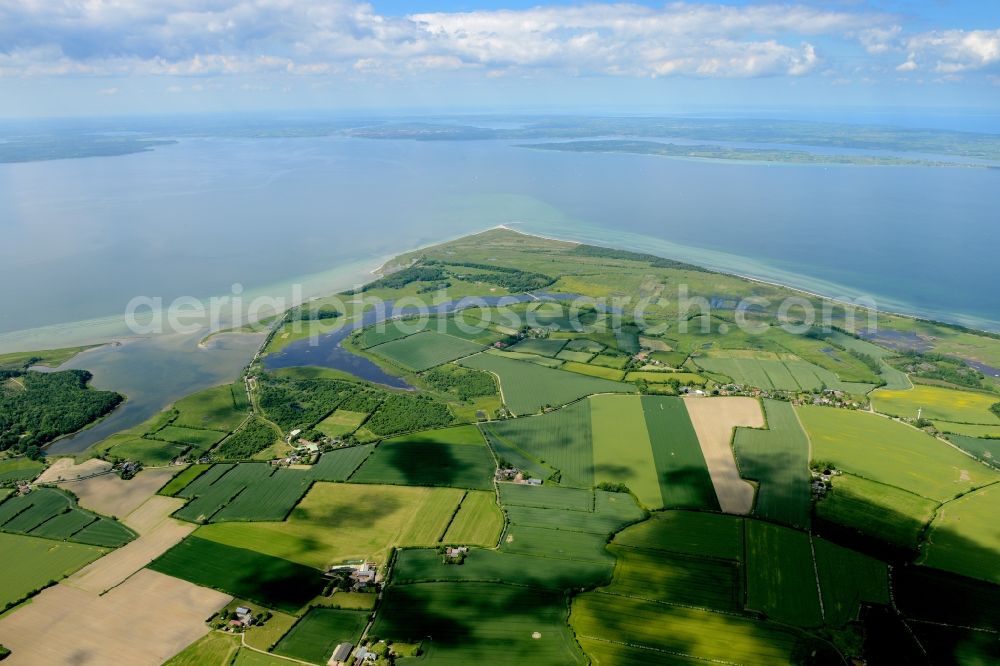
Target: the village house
pixel 340 654
pixel 308 447
pixel 364 575
pixel 364 655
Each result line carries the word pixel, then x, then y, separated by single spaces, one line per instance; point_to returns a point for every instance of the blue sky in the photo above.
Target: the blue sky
pixel 64 57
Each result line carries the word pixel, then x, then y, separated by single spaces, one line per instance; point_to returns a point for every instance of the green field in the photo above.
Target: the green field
pixel 478 521
pixel 576 356
pixel 781 578
pixel 609 361
pixel 783 373
pixel 679 579
pixel 29 563
pixel 425 350
pixel 936 402
pixel 246 657
pixel 847 580
pixel 381 333
pixel 456 457
pixel 463 623
pixel 778 459
pixel 339 464
pixel 605 514
pixel 219 408
pixel 150 452
pixel 674 631
pixel 680 465
pixel 556 544
pixel 560 439
pixel 890 452
pixel 317 634
pixel 417 565
pixel 984 450
pixel 246 491
pixel 876 510
pixel 213 649
pixel 248 574
pixel 341 422
pixel 951 645
pixel 932 595
pixel 968 429
pixel 709 535
pixel 200 440
pixel 544 361
pixel 594 370
pixel 653 377
pixel 527 387
pixel 51 513
pixel 547 497
pixel 257 491
pixel 338 522
pixel 19 469
pixel 622 450
pixel 542 347
pixel 964 537
pixel 584 345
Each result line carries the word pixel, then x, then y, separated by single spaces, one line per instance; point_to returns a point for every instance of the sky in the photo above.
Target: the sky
pixel 124 57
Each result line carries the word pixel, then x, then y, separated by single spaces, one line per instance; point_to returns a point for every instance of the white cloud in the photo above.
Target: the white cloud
pixel 344 37
pixel 879 40
pixel 952 51
pixel 108 91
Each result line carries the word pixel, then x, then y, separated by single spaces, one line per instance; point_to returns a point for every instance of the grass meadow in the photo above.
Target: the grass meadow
pixel 890 452
pixel 560 440
pixel 462 623
pixel 29 563
pixel 622 450
pixel 847 580
pixel 689 533
pixel 51 513
pixel 964 537
pixel 879 511
pixel 630 624
pixel 425 350
pixel 314 637
pixel 248 574
pixel 936 402
pixel 478 521
pixel 680 465
pixel 778 460
pixel 527 387
pixel 422 565
pixel 338 522
pixel 781 578
pixel 219 408
pixel 456 457
pixel 19 469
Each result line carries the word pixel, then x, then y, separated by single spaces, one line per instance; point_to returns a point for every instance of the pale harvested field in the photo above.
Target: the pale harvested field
pixel 157 534
pixel 63 469
pixel 109 495
pixel 147 620
pixel 714 420
pixel 153 511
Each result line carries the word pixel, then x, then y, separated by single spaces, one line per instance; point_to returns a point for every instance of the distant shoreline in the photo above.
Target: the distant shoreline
pixel 763 281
